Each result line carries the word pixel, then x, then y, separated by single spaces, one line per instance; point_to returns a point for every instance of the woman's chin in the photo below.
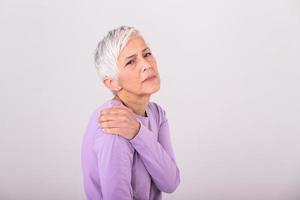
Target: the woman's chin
pixel 154 89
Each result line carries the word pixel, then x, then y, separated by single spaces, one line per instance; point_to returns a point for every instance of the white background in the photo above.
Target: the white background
pixel 229 83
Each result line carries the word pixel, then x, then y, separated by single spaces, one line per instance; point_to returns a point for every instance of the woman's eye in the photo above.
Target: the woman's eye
pixel 148 54
pixel 130 62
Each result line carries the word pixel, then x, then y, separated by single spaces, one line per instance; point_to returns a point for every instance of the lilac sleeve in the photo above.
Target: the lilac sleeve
pixel 115 158
pixel 158 156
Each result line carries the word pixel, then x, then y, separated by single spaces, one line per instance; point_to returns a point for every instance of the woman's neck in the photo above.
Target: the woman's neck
pixel 136 104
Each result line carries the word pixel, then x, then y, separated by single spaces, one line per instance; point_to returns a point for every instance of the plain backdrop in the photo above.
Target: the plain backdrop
pixel 229 83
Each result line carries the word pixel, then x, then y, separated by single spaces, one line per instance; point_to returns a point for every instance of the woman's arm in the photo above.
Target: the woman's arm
pixel 158 156
pixel 115 158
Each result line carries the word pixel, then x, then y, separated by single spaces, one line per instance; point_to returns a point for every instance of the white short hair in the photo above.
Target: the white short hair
pixel 109 48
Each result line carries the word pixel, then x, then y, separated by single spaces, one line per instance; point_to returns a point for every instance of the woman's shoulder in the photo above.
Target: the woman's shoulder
pixel 95 113
pixel 159 111
pixel 107 104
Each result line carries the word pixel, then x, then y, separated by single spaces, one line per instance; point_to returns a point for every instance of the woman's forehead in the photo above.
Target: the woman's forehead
pixel 134 45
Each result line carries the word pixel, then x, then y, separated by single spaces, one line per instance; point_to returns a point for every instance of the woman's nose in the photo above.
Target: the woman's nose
pixel 145 64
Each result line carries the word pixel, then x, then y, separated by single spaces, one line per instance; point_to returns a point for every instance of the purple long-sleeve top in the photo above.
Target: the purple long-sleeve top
pixel 115 168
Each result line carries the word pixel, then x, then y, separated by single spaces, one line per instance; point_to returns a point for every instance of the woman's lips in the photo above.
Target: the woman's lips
pixel 150 78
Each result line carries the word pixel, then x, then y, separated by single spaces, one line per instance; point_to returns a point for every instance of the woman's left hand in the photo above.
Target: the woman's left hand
pixel 119 120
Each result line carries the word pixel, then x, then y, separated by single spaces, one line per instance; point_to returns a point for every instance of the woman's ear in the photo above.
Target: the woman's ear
pixel 111 84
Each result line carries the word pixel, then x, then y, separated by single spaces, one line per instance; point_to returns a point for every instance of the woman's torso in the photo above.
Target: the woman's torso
pixel 142 185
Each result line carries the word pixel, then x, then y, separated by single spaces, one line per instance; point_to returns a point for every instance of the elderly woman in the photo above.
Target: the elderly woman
pixel 126 148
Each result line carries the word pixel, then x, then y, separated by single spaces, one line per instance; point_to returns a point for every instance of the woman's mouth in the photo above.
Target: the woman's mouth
pixel 150 78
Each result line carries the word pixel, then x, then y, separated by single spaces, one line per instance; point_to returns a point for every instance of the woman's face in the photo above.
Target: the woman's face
pixel 136 63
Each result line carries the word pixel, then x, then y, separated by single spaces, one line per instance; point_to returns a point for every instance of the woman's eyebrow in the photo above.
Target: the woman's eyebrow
pixel 135 54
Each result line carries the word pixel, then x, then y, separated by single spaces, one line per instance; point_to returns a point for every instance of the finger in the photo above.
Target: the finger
pixel 119 111
pixel 114 112
pixel 113 124
pixel 110 111
pixel 111 130
pixel 123 108
pixel 109 117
